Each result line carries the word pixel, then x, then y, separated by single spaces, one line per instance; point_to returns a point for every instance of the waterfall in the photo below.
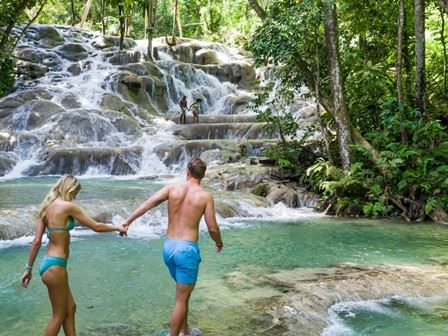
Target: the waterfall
pixel 93 110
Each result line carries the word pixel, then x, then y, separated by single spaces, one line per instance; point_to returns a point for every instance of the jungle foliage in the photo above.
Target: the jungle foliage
pixel 398 151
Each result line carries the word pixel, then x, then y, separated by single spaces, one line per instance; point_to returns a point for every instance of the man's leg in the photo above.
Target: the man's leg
pixel 180 312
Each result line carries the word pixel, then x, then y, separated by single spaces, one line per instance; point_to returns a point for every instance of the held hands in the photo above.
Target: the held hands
pixel 123 229
pixel 26 278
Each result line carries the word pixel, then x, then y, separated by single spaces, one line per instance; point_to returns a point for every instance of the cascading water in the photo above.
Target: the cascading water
pixel 90 108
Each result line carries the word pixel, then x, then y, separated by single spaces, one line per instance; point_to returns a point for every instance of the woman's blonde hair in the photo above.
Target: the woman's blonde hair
pixel 66 189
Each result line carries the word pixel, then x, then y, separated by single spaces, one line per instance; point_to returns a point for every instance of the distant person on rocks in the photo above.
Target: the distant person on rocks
pixel 187 203
pixel 195 108
pixel 57 216
pixel 183 110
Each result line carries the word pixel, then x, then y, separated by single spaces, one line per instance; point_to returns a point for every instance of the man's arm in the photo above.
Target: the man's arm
pixel 212 225
pixel 156 199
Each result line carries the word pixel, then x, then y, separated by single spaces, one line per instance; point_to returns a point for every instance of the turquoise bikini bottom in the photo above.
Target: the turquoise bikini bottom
pixel 49 261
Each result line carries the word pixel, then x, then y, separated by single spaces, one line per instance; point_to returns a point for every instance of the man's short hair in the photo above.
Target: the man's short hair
pixel 197 168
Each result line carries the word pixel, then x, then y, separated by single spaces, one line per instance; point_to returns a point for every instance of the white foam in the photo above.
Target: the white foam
pixel 338 327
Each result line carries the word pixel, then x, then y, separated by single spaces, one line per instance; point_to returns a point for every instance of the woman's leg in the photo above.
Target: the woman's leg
pixel 69 322
pixel 55 278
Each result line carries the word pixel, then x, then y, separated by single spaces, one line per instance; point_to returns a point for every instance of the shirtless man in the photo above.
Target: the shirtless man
pixel 183 110
pixel 187 203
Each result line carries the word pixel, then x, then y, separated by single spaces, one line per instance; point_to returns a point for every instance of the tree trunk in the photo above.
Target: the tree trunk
pixel 103 14
pixel 399 64
pixel 179 23
pixel 443 41
pixel 86 13
pixel 257 8
pixel 420 73
pixel 7 32
pixel 323 129
pixel 150 19
pixel 122 27
pixel 128 22
pixel 72 9
pixel 340 110
pixel 173 33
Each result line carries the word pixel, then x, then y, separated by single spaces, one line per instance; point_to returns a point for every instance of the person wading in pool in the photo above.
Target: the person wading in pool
pixel 187 203
pixel 56 215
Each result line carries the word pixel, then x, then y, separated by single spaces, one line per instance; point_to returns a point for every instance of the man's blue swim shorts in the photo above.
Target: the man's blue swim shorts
pixel 182 258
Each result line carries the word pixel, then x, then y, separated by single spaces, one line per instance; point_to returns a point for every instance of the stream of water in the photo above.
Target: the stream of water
pixel 122 287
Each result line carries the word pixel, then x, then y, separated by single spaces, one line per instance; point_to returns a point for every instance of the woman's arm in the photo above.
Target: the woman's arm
pixel 34 250
pixel 84 219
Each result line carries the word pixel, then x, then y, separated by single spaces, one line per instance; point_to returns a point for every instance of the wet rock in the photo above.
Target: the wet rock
pixel 29 54
pixel 439 215
pixel 72 51
pixel 74 69
pixel 7 162
pixel 237 176
pixel 104 41
pixel 157 91
pixel 114 161
pixel 49 59
pixel 8 222
pixel 93 125
pixel 70 101
pixel 136 68
pixel 30 115
pixel 46 36
pixel 300 299
pixel 206 56
pixel 9 141
pixel 235 104
pixel 28 70
pixel 10 103
pixel 113 102
pixel 242 74
pixel 235 131
pixel 174 153
pixel 123 57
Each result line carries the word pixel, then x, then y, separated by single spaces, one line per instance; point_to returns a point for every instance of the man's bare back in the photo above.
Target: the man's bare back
pixel 186 205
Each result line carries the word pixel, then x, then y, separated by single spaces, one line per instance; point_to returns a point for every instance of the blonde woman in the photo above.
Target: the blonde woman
pixel 56 216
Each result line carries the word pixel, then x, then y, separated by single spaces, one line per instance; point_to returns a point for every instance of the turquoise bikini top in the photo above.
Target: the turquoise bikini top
pixel 70 226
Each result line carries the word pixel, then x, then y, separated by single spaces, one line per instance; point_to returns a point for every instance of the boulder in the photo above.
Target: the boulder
pixel 9 141
pixel 11 102
pixel 93 126
pixel 46 36
pixel 242 74
pixel 104 41
pixel 206 56
pixel 7 162
pixel 31 115
pixel 70 101
pixel 74 69
pixel 28 70
pixel 49 59
pixel 123 57
pixel 72 51
pixel 114 161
